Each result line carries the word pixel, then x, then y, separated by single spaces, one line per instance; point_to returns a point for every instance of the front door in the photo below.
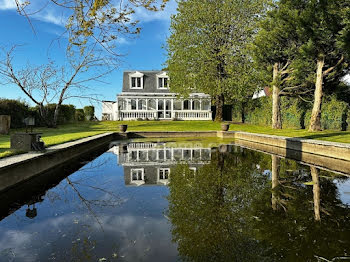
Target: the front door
pixel 164 110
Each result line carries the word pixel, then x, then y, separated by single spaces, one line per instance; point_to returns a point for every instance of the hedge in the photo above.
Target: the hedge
pixel 296 115
pixel 18 110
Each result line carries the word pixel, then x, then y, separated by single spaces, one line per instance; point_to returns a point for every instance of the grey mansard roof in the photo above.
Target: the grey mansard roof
pixel 149 82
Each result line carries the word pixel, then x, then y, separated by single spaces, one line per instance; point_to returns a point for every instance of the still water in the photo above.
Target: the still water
pixel 148 201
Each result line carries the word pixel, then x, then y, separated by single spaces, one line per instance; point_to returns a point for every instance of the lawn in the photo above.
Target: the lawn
pixel 70 132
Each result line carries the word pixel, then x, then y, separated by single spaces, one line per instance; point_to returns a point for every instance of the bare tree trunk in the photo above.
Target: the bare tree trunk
pixel 315 122
pixel 275 169
pixel 243 112
pixel 276 101
pixel 55 116
pixel 43 111
pixel 316 192
pixel 219 116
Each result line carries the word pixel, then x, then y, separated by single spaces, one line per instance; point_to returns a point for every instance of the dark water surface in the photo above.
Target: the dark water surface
pixel 145 201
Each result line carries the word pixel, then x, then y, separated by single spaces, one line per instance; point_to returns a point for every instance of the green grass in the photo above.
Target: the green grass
pixel 70 132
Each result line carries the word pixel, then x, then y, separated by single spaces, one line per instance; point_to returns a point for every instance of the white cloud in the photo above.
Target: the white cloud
pixel 50 17
pixel 7 5
pixel 143 15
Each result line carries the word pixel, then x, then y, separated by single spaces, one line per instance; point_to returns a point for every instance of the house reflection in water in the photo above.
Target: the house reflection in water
pixel 150 163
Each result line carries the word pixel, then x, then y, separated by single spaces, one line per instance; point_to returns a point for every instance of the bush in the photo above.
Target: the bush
pixel 17 109
pixel 89 112
pixel 297 115
pixel 334 114
pixel 261 113
pixel 66 114
pixel 79 115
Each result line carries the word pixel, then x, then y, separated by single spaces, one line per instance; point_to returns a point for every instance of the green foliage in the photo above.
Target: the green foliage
pixel 89 112
pixel 261 114
pixel 79 115
pixel 334 114
pixel 66 114
pixel 207 47
pixel 17 109
pixel 297 115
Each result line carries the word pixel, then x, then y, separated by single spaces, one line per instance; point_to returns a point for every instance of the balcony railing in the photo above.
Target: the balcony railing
pixel 177 114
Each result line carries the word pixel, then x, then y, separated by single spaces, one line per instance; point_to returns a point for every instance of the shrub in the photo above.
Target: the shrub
pixel 79 115
pixel 18 110
pixel 66 114
pixel 260 113
pixel 89 112
pixel 334 114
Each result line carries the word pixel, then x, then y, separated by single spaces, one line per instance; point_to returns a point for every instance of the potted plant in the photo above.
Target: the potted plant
pixel 225 126
pixel 123 128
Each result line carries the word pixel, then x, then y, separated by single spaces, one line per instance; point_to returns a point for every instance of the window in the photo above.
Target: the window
pixel 152 104
pixel 177 105
pixel 206 105
pixel 142 105
pixel 136 82
pixel 137 175
pixel 186 105
pixel 133 104
pixel 162 83
pixel 196 105
pixel 160 105
pixel 163 173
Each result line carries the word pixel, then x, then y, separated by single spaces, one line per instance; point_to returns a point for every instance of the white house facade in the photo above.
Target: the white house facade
pixel 146 95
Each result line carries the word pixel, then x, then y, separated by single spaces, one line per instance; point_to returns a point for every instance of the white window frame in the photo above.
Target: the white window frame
pixel 162 76
pixel 163 169
pixel 136 75
pixel 142 174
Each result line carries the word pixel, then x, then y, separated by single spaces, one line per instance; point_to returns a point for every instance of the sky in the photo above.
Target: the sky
pixel 37 44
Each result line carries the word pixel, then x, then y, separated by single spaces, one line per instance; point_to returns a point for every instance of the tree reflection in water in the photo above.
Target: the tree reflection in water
pixel 231 210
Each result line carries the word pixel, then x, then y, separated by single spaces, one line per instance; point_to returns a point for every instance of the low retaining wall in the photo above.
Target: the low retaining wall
pixel 16 169
pixel 164 134
pixel 321 148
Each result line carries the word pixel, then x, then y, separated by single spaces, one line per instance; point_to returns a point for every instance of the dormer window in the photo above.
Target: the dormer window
pixel 163 81
pixel 136 80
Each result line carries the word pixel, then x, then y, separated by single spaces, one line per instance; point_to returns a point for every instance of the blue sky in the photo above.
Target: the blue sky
pixel 144 52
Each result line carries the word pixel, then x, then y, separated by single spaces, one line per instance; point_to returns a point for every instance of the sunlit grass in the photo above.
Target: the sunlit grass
pixel 70 132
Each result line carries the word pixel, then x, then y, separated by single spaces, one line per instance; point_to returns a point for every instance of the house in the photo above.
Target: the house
pixel 150 163
pixel 146 95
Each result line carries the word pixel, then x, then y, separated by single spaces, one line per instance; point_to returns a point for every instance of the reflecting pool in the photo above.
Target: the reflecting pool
pixel 184 201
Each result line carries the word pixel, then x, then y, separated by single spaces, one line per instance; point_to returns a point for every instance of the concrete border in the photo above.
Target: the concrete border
pixel 165 134
pixel 19 168
pixel 316 147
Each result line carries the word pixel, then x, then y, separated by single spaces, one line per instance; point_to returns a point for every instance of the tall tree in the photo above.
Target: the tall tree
pixel 207 39
pixel 325 32
pixel 275 50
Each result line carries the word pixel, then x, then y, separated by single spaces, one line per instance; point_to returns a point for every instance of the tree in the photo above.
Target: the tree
pixel 89 112
pixel 101 22
pixel 275 50
pixel 48 84
pixel 207 41
pixel 325 32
